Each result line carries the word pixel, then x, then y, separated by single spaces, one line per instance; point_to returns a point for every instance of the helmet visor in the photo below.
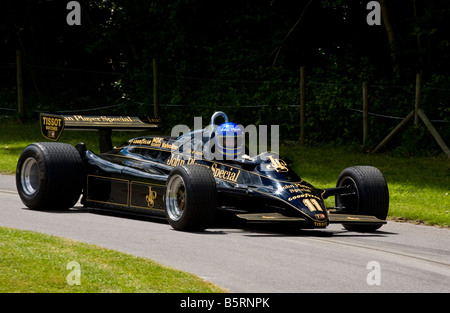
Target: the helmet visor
pixel 229 139
pixel 231 142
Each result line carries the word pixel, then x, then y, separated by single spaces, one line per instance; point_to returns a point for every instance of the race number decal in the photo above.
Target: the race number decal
pixel 312 205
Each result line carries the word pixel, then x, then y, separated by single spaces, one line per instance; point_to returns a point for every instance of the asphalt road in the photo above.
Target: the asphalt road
pixel 400 257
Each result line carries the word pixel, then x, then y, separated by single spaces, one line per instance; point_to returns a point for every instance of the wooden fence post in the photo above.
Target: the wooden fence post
pixel 393 132
pixel 302 105
pixel 417 113
pixel 434 132
pixel 417 99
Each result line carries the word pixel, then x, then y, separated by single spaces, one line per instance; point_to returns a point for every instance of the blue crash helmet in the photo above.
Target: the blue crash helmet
pixel 229 140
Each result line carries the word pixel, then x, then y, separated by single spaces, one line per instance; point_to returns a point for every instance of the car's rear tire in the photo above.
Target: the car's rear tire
pixel 191 198
pixel 49 176
pixel 371 195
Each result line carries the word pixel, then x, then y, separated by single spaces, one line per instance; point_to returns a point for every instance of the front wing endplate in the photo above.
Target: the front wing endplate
pixel 354 219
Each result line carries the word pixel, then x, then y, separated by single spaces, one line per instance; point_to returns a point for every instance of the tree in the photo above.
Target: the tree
pixel 390 36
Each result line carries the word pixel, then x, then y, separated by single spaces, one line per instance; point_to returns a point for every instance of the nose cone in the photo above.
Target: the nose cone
pixel 308 201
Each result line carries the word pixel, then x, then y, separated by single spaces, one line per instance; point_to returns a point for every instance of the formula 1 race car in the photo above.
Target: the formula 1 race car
pixel 157 175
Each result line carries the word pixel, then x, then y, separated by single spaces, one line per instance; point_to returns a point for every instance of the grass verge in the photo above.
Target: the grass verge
pixel 37 263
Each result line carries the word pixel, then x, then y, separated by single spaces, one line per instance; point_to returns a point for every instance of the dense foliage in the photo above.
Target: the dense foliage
pixel 242 57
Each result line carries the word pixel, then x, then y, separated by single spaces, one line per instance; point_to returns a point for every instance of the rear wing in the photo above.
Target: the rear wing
pixel 53 125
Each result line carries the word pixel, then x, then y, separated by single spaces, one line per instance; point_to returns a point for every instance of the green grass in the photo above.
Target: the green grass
pixel 36 263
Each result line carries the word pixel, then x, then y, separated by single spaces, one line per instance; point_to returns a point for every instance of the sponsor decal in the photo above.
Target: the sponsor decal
pixel 228 175
pixel 150 198
pixel 277 165
pixel 51 126
pixel 176 160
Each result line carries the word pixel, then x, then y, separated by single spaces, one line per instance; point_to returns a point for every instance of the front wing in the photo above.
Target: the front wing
pixel 332 218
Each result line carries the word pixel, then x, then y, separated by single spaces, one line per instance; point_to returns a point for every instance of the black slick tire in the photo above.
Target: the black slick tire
pixel 191 198
pixel 49 176
pixel 371 196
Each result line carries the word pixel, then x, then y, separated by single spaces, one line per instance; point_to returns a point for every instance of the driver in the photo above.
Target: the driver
pixel 229 139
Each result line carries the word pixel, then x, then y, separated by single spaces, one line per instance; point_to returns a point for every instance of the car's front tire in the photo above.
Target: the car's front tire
pixel 191 198
pixel 371 196
pixel 49 176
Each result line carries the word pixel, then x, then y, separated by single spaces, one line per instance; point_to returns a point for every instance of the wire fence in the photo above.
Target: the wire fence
pixel 333 110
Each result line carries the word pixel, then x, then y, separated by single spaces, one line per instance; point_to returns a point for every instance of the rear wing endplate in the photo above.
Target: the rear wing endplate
pixel 53 125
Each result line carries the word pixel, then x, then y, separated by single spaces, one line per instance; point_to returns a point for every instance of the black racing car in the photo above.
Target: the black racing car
pixel 154 175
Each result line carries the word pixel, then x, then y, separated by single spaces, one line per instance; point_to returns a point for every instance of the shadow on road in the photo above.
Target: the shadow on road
pixel 226 224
